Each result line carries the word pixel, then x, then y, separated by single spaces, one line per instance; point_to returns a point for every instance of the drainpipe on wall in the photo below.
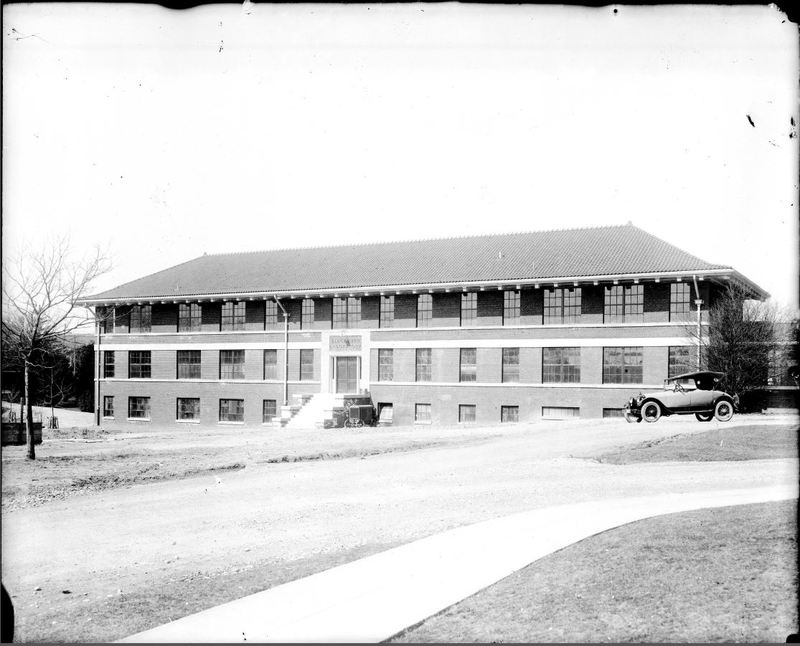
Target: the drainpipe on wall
pixel 698 301
pixel 97 363
pixel 285 352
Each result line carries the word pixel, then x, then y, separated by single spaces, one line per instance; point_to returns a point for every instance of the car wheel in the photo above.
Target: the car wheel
pixel 651 412
pixel 723 411
pixel 704 417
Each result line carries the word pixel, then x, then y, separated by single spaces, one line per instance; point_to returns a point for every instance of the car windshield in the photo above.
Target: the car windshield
pixel 687 383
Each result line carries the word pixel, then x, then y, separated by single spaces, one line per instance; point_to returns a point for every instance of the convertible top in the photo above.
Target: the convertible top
pixel 699 375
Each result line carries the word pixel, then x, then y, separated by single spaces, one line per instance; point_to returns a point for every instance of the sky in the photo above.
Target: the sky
pixel 160 135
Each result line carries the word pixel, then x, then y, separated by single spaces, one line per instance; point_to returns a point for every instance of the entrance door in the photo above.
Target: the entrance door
pixel 346 374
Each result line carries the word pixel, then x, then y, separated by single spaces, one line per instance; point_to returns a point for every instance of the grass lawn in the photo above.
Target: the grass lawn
pixel 719 444
pixel 726 574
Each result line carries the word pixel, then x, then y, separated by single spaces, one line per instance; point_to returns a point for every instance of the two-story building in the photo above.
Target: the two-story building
pixel 486 329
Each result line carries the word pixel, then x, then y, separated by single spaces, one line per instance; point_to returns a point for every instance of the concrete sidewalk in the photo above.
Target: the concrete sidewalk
pixel 371 599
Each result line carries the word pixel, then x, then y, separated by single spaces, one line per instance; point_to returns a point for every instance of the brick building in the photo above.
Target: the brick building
pixel 487 329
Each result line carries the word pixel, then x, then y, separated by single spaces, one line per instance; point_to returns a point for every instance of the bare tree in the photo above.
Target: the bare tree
pixel 39 312
pixel 740 338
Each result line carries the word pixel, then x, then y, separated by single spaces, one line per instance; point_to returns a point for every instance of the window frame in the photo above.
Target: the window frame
pixel 468 365
pixel 109 354
pixel 239 410
pixel 140 365
pixel 421 368
pixel 424 310
pixel 385 368
pixel 512 311
pixel 562 305
pixel 307 309
pixel 145 408
pixel 273 365
pixel 673 366
pixel 274 405
pixel 468 408
pixel 189 366
pixel 623 303
pixel 468 314
pixel 561 365
pixel 422 413
pixel 190 317
pixel 386 311
pixel 180 413
pixel 108 412
pixel 308 365
pixel 231 369
pixel 506 408
pixel 624 368
pixel 509 370
pixel 235 318
pixel 679 309
pixel 143 316
pixel 272 319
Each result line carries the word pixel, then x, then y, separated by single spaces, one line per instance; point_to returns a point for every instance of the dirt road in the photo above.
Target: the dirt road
pixel 133 543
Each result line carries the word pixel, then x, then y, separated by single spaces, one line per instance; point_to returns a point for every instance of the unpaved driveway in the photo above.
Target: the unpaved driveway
pixel 143 537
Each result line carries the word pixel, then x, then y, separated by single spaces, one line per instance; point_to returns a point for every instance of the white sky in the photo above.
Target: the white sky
pixel 161 135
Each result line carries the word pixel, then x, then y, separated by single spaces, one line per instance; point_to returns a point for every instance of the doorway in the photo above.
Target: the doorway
pixel 346 374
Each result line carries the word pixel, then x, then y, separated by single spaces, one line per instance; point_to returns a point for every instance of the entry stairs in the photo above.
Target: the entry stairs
pixel 315 411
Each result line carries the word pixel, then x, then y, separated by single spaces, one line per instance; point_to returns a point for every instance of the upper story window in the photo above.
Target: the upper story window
pixel 510 365
pixel 346 312
pixel 270 364
pixel 511 299
pixel 271 315
pixel 107 317
pixel 469 365
pixel 385 365
pixel 387 311
pixel 680 296
pixel 190 317
pixel 188 362
pixel 231 364
pixel 141 318
pixel 423 364
pixel 232 316
pixel 139 364
pixel 623 304
pixel 469 308
pixel 424 310
pixel 622 365
pixel 562 305
pixel 307 313
pixel 108 364
pixel 561 365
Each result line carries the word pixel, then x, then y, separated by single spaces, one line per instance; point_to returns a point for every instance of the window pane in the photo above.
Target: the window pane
pixel 385 365
pixel 679 301
pixel 424 310
pixel 188 364
pixel 561 365
pixel 139 364
pixel 560 412
pixel 108 406
pixel 553 306
pixel 387 311
pixel 231 410
pixel 270 364
pixel 231 364
pixel 614 304
pixel 572 305
pixel 139 407
pixel 141 318
pixel 339 313
pixel 189 317
pixel 469 369
pixel 622 365
pixel 634 303
pixel 509 413
pixel 271 319
pixel 466 412
pixel 270 410
pixel 469 308
pixel 422 412
pixel 353 311
pixel 423 365
pixel 511 301
pixel 188 408
pixel 307 313
pixel 680 360
pixel 306 365
pixel 108 364
pixel 510 367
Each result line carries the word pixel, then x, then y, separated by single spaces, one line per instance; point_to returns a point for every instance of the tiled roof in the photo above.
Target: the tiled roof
pixel 567 253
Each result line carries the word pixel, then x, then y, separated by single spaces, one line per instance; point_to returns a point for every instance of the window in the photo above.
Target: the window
pixel 560 412
pixel 680 360
pixel 423 364
pixel 107 319
pixel 306 365
pixel 190 317
pixel 385 365
pixel 271 315
pixel 108 406
pixel 562 305
pixel 231 410
pixel 469 368
pixel 422 413
pixel 138 407
pixel 511 307
pixel 622 365
pixel 613 412
pixel 139 364
pixel 679 301
pixel 561 365
pixel 141 318
pixel 346 312
pixel 424 310
pixel 623 304
pixel 188 408
pixel 466 413
pixel 509 414
pixel 307 313
pixel 469 308
pixel 386 311
pixel 108 364
pixel 231 364
pixel 232 316
pixel 270 364
pixel 188 364
pixel 269 411
pixel 510 365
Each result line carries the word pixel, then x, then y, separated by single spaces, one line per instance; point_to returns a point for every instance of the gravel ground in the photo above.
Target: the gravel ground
pixel 137 538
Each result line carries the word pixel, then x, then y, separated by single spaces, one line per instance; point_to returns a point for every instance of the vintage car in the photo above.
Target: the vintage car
pixel 695 393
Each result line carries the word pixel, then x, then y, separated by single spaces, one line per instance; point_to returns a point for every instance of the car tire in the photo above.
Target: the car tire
pixel 704 417
pixel 651 411
pixel 723 410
